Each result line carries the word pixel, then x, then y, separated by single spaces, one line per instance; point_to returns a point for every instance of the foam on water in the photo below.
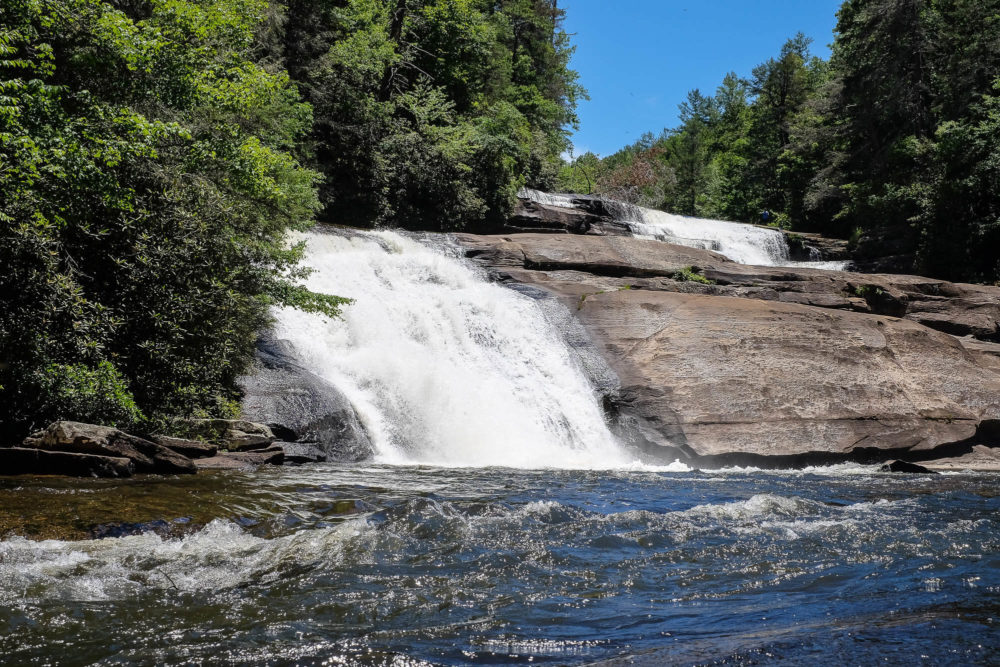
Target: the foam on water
pixel 490 566
pixel 218 557
pixel 444 367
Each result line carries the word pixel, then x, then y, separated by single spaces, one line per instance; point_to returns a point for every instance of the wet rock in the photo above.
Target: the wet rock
pixel 590 217
pixel 238 460
pixel 231 434
pixel 906 467
pixel 106 530
pixel 193 449
pixel 980 458
pixel 301 452
pixel 303 406
pixel 33 461
pixel 79 438
pixel 808 247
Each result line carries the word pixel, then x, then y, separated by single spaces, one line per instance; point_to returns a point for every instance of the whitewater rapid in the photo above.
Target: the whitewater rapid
pixel 442 366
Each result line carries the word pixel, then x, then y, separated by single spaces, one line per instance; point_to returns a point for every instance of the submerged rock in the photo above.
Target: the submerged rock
pixel 301 405
pixel 238 460
pixel 301 452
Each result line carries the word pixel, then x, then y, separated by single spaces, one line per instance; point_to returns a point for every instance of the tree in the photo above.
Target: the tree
pixel 147 187
pixel 431 114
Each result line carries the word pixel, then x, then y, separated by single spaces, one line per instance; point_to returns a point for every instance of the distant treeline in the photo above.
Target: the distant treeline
pixel 154 153
pixel 895 142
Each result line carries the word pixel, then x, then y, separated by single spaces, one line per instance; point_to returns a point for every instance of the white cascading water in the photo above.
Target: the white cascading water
pixel 443 367
pixel 557 199
pixel 742 243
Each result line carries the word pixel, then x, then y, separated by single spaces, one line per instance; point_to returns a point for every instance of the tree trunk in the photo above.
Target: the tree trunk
pixel 395 34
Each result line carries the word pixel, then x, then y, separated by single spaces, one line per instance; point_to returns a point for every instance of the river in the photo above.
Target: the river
pixel 404 565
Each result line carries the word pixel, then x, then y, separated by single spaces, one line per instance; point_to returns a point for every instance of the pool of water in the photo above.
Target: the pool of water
pixel 377 564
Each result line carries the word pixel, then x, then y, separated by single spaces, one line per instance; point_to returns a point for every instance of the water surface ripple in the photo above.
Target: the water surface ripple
pixel 374 564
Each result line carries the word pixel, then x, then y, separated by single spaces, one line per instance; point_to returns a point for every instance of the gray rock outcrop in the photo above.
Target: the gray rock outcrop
pixel 66 439
pixel 301 406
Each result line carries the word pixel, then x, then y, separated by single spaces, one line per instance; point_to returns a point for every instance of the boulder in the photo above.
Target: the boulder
pixel 808 247
pixel 906 467
pixel 79 438
pixel 231 434
pixel 593 218
pixel 193 449
pixel 32 461
pixel 301 405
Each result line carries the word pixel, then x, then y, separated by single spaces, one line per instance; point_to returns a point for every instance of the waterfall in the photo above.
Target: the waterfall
pixel 556 199
pixel 740 242
pixel 444 367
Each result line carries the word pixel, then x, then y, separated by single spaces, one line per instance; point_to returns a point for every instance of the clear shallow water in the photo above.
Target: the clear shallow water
pixel 409 565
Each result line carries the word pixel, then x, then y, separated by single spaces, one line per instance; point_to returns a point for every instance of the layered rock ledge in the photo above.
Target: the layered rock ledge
pixel 721 363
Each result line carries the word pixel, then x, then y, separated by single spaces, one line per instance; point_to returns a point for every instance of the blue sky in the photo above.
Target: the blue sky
pixel 639 58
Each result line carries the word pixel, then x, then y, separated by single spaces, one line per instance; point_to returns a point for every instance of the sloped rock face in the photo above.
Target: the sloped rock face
pixel 301 406
pixel 590 216
pixel 722 376
pixel 770 366
pixel 593 263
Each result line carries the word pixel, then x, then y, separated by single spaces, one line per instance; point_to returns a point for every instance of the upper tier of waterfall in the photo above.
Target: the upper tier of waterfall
pixel 743 243
pixel 444 367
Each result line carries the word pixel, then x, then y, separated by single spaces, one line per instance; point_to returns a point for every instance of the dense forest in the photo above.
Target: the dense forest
pixel 155 153
pixel 894 142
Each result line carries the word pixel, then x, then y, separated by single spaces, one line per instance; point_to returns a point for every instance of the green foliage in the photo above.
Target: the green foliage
pixel 430 114
pixel 867 291
pixel 893 143
pixel 692 274
pixel 94 395
pixel 728 158
pixel 146 187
